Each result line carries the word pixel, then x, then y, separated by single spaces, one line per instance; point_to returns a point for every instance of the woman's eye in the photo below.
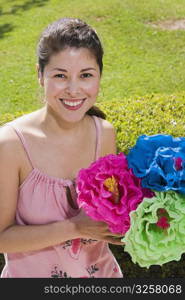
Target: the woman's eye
pixel 60 76
pixel 86 75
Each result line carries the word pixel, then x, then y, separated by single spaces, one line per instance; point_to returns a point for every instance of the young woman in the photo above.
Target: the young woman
pixel 43 233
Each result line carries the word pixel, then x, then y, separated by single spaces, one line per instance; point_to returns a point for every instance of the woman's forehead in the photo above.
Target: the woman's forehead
pixel 76 57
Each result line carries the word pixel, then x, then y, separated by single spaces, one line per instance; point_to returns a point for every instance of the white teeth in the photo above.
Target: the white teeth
pixel 72 103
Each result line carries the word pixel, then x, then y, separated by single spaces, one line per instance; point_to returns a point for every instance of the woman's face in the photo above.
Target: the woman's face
pixel 71 82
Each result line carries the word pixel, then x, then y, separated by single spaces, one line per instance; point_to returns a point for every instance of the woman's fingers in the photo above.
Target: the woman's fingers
pixel 99 230
pixel 116 235
pixel 114 241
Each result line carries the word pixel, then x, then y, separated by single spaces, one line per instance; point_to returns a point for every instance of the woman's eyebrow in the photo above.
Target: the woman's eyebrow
pixel 59 69
pixel 87 69
pixel 83 70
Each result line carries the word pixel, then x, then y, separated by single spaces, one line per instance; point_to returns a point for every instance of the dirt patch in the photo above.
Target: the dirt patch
pixel 169 24
pixel 99 19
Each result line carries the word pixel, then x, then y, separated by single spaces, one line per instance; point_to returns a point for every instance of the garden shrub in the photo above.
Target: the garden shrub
pixel 5 118
pixel 148 115
pixel 132 117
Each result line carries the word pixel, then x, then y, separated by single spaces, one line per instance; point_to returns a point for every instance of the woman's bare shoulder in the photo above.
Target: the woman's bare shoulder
pixel 10 147
pixel 107 128
pixel 108 137
pixel 27 120
pixel 8 137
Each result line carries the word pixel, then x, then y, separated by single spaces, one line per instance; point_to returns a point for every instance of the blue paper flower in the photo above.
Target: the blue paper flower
pixel 160 161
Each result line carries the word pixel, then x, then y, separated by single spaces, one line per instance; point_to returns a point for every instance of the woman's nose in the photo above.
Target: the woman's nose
pixel 73 87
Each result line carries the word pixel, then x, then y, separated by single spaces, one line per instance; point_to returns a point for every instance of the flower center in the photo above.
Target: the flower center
pixel 162 219
pixel 178 163
pixel 112 186
pixel 163 223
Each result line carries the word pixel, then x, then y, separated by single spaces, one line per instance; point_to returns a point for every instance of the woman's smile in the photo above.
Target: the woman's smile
pixel 72 104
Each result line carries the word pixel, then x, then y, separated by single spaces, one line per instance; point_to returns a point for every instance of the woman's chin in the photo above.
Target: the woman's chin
pixel 73 118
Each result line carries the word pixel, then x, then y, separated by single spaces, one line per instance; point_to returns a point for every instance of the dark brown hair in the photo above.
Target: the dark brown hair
pixel 70 32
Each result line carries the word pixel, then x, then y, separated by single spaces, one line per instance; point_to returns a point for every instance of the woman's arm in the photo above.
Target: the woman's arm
pixel 14 238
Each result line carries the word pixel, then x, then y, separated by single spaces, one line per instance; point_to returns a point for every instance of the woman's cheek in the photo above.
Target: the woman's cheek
pixel 58 85
pixel 94 89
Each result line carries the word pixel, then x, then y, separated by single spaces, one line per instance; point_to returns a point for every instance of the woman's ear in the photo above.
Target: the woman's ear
pixel 39 74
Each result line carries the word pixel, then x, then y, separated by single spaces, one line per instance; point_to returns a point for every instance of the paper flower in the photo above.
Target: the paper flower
pixel 157 232
pixel 160 161
pixel 108 191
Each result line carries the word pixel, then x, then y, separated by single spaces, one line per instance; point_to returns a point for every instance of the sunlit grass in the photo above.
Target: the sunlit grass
pixel 138 59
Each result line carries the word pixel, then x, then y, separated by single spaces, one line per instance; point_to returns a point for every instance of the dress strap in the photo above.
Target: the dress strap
pixel 23 142
pixel 98 136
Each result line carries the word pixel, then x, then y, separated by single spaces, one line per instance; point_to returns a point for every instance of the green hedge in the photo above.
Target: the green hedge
pixel 146 115
pixel 132 117
pixel 5 118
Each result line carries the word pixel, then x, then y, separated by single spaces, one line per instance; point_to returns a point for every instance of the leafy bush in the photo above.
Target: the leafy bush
pixel 145 115
pixel 133 117
pixel 5 118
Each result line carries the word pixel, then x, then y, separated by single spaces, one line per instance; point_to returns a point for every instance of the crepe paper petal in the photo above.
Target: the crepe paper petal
pixel 159 160
pixel 113 191
pixel 146 242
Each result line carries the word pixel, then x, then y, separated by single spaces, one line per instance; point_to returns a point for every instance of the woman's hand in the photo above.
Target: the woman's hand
pixel 85 227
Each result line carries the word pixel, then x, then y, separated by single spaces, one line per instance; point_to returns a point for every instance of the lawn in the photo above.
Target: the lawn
pixel 140 62
pixel 139 59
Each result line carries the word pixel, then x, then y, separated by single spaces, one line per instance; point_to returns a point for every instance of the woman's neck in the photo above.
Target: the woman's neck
pixel 53 124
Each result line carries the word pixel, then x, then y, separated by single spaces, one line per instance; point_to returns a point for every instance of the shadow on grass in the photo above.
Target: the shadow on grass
pixel 2 262
pixel 173 269
pixel 5 28
pixel 15 10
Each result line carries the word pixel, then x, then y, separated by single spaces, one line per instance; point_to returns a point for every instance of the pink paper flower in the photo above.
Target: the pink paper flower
pixel 108 191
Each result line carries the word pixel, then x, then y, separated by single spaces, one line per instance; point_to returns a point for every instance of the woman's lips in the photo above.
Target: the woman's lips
pixel 73 104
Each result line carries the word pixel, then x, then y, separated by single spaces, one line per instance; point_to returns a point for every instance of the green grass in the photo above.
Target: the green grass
pixel 138 60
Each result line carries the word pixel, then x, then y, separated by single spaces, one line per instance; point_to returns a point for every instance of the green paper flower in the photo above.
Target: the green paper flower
pixel 157 232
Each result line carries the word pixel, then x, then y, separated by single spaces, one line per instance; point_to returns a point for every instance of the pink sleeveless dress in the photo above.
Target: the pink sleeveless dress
pixel 43 199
